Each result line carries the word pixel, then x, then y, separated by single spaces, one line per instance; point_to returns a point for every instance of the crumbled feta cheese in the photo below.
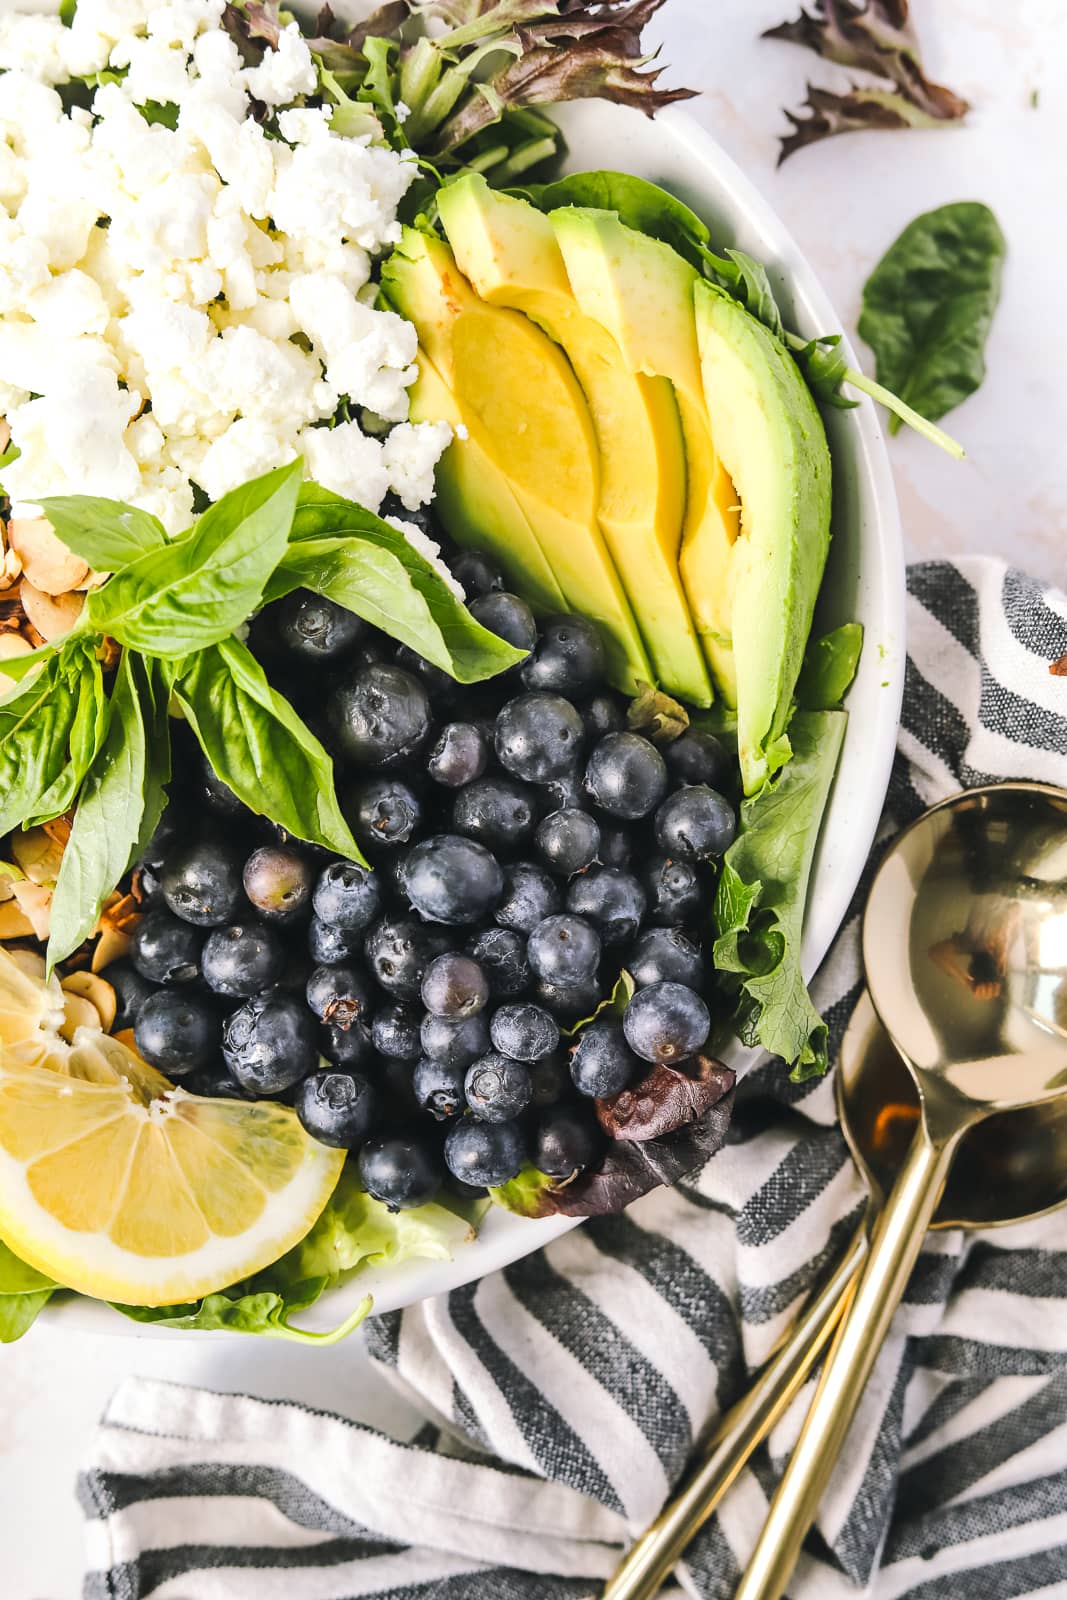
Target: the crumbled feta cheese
pixel 461 430
pixel 345 460
pixel 430 550
pixel 403 111
pixel 411 452
pixel 285 72
pixel 72 441
pixel 246 450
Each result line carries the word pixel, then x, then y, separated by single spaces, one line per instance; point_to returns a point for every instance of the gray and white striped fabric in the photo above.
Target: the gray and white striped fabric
pixel 564 1394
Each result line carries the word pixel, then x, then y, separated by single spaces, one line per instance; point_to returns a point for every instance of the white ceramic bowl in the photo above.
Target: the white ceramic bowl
pixel 864 582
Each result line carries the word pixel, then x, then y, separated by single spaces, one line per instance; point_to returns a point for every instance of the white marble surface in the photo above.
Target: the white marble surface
pixel 845 201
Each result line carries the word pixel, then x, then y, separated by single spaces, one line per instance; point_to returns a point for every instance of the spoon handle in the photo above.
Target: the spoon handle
pixel 649 1562
pixel 895 1244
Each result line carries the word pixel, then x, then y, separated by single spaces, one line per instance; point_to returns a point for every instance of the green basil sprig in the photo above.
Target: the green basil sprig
pixel 174 606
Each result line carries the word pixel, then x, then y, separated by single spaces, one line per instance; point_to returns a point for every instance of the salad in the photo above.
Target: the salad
pixel 412 749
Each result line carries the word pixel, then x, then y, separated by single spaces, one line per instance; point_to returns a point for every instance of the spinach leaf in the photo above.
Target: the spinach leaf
pixel 929 303
pixel 259 747
pixel 23 1292
pixel 35 729
pixel 86 735
pixel 264 1312
pixel 759 905
pixel 355 559
pixel 829 667
pixel 106 533
pixel 199 588
pixel 120 804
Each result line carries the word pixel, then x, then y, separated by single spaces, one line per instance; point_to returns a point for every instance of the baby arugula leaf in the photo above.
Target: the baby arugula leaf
pixel 106 533
pixel 929 303
pixel 193 593
pixel 121 802
pixel 355 559
pixel 259 747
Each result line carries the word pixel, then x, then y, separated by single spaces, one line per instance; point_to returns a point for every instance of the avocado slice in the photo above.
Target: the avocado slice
pixel 520 400
pixel 771 441
pixel 508 250
pixel 641 291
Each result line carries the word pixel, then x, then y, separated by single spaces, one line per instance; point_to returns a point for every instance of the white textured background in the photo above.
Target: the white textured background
pixel 845 201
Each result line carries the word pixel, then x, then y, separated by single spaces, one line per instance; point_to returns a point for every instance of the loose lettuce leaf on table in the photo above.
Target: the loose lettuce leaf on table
pixel 759 906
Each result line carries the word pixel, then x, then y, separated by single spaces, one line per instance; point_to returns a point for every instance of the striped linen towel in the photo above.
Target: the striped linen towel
pixel 564 1394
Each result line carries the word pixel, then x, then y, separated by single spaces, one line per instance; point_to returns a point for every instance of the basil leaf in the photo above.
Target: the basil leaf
pixel 260 748
pixel 120 804
pixel 352 557
pixel 19 667
pixel 86 736
pixel 196 591
pixel 35 727
pixel 106 533
pixel 929 303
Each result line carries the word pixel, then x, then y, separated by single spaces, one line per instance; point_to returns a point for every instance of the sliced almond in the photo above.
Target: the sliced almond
pixel 14 923
pixel 13 644
pixel 77 1013
pixel 10 569
pixel 46 561
pixel 35 900
pixel 125 1036
pixel 52 617
pixel 27 961
pixel 99 993
pixel 112 945
pixel 9 876
pixel 38 854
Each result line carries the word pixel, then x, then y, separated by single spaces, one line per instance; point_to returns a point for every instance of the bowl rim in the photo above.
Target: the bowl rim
pixel 839 859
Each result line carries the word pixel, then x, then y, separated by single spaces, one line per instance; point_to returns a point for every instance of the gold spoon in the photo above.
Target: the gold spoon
pixel 1012 1163
pixel 965 950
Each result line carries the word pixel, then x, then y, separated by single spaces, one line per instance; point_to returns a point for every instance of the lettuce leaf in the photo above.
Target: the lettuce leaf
pixel 759 907
pixel 23 1293
pixel 829 667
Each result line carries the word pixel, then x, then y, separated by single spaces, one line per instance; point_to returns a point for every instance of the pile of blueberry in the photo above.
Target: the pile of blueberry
pixel 526 848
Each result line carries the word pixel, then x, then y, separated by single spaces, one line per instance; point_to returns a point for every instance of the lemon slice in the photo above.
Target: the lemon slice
pixel 117 1183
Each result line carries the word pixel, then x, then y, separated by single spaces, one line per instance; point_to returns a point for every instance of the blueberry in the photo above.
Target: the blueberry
pixel 131 992
pixel 349 1047
pixel 398 951
pixel 570 657
pixel 566 1141
pixel 244 959
pixel 165 836
pixel 611 898
pixel 384 811
pixel 498 1088
pixel 451 879
pixel 566 793
pixel 439 1088
pixel 458 1041
pixel 616 847
pixel 215 1083
pixel 202 882
pixel 564 949
pixel 485 1155
pixel 339 994
pixel 148 886
pixel 439 685
pixel 270 1043
pixel 378 715
pixel 395 1031
pixel 538 736
pixel 666 1022
pixel 278 881
pixel 347 896
pixel 602 1062
pixel 570 1001
pixel 315 630
pixel 530 896
pixel 477 572
pixel 499 812
pixel 454 986
pixel 337 1108
pixel 666 955
pixel 626 775
pixel 328 945
pixel 695 823
pixel 525 1032
pixel 568 840
pixel 548 1081
pixel 502 952
pixel 675 892
pixel 396 1081
pixel 216 795
pixel 508 616
pixel 164 949
pixel 400 1170
pixel 604 713
pixel 698 757
pixel 459 755
pixel 178 1032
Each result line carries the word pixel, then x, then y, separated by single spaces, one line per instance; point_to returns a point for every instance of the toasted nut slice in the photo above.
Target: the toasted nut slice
pixel 27 961
pixel 59 828
pixel 9 876
pixel 36 902
pixel 112 945
pixel 99 993
pixel 10 569
pixel 14 923
pixel 51 616
pixel 125 1036
pixel 38 854
pixel 78 1013
pixel 11 645
pixel 46 561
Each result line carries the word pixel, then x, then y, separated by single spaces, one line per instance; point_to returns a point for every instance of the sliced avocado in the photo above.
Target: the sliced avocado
pixel 474 500
pixel 508 250
pixel 520 400
pixel 641 291
pixel 771 441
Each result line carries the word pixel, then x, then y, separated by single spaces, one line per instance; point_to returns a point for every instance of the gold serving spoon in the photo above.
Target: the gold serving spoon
pixel 1011 1168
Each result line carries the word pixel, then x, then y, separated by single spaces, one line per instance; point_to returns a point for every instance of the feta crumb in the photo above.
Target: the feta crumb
pixel 345 460
pixel 403 111
pixel 461 430
pixel 431 550
pixel 285 72
pixel 412 451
